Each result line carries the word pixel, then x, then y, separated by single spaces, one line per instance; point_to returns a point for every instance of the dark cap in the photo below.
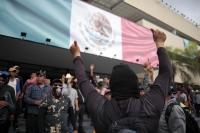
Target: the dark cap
pixel 3 75
pixel 141 87
pixel 41 73
pixel 6 73
pixel 173 89
pixel 56 80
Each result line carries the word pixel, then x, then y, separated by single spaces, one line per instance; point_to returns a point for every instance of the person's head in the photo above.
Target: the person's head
pixel 56 86
pixel 33 75
pixel 12 72
pixel 184 88
pixel 4 78
pixel 178 94
pixel 124 83
pixel 72 83
pixel 47 81
pixel 169 95
pixel 196 92
pixel 68 76
pixel 17 70
pixel 108 94
pixel 40 77
pixel 142 92
pixel 174 92
pixel 96 78
pixel 105 80
pixel 100 83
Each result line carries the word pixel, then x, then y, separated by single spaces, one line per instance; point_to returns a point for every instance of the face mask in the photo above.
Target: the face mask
pixel 57 91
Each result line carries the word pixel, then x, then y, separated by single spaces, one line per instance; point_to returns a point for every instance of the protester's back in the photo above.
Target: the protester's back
pixel 124 85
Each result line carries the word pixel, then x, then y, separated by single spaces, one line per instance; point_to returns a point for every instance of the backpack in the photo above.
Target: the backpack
pixel 4 112
pixel 191 124
pixel 129 122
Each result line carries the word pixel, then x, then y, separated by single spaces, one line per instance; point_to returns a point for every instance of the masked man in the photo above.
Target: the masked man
pixel 54 111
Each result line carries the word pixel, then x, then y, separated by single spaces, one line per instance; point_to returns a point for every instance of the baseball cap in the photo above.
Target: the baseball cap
pixel 173 89
pixel 100 80
pixel 12 69
pixel 6 73
pixel 107 91
pixel 56 80
pixel 16 67
pixel 3 75
pixel 41 73
pixel 141 87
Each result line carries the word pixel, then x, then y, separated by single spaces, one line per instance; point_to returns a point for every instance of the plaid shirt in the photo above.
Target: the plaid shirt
pixel 34 93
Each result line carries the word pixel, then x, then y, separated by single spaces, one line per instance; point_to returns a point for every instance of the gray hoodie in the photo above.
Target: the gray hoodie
pixel 176 122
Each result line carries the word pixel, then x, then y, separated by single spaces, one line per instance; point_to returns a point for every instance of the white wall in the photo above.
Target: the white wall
pixel 166 15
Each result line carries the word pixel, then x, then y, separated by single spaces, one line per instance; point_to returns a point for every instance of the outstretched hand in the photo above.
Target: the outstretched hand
pixel 75 50
pixel 158 37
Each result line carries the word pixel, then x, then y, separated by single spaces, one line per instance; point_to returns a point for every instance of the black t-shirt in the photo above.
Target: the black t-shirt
pixel 57 113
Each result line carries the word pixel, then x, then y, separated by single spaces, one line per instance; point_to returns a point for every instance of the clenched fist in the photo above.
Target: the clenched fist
pixel 75 50
pixel 158 37
pixel 147 66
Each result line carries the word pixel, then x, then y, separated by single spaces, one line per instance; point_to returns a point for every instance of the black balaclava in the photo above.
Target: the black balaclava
pixel 57 92
pixel 124 83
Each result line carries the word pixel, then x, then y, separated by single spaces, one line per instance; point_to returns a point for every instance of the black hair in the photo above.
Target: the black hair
pixel 169 93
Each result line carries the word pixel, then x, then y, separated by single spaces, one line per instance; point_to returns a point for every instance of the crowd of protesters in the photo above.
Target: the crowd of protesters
pixel 116 104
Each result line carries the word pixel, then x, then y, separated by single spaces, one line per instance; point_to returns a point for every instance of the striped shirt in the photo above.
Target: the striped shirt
pixel 34 93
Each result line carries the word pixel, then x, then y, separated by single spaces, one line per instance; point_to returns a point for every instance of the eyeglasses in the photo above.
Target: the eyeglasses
pixel 57 85
pixel 1 80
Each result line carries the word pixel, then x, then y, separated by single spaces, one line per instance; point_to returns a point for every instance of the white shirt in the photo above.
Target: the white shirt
pixel 183 95
pixel 71 93
pixel 13 84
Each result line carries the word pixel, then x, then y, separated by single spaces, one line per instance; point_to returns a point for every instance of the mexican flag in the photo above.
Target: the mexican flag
pixel 64 21
pixel 108 35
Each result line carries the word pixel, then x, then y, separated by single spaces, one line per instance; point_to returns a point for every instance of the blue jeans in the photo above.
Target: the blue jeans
pixel 70 124
pixel 126 131
pixel 70 127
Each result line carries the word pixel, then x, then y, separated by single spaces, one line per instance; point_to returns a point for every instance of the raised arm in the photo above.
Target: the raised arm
pixel 92 74
pixel 164 78
pixel 92 70
pixel 90 94
pixel 146 80
pixel 155 98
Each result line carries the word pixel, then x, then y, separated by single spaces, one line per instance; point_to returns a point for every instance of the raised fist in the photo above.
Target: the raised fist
pixel 75 50
pixel 158 37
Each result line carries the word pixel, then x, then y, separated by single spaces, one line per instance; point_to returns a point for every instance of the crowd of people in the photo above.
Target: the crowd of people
pixel 116 104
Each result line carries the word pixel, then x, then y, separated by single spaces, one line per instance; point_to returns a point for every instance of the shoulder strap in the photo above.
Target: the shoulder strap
pixel 113 110
pixel 168 111
pixel 131 110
